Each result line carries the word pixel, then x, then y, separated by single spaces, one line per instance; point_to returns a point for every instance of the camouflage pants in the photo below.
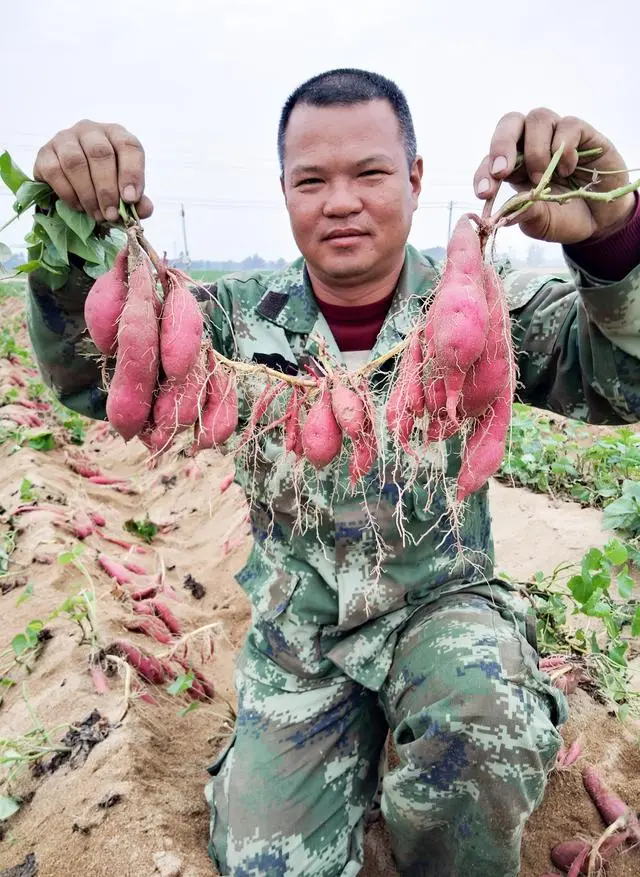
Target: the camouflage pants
pixel 475 729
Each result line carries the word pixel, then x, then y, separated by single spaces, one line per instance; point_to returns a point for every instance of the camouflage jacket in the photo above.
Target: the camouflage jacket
pixel 315 608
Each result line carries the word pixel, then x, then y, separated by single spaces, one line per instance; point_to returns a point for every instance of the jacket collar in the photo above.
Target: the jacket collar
pixel 289 302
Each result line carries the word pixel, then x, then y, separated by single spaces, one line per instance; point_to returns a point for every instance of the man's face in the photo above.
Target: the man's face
pixel 349 191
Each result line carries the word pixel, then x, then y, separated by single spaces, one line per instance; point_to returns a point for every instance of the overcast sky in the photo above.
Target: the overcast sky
pixel 201 83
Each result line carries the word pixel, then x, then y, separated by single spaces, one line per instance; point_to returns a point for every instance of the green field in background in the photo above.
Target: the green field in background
pixel 207 275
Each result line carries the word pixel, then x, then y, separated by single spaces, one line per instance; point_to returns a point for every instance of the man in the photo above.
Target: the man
pixel 439 650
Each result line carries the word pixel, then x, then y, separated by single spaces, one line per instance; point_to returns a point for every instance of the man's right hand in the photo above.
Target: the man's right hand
pixel 91 166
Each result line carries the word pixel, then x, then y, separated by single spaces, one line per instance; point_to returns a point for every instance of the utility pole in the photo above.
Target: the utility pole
pixel 450 220
pixel 184 236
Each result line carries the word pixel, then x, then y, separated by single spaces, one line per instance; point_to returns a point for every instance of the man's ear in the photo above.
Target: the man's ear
pixel 415 178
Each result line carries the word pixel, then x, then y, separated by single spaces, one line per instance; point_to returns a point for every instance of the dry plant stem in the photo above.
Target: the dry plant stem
pixel 215 625
pixel 619 824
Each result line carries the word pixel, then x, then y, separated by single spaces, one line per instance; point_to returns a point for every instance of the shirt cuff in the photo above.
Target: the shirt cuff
pixel 610 258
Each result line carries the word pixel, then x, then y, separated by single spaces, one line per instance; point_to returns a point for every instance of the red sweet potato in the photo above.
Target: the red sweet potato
pixel 321 435
pixel 151 627
pixel 458 318
pixel 610 806
pixel 114 569
pixel 484 449
pixel 219 418
pixel 348 408
pixel 104 305
pixel 493 372
pixel 130 395
pixel 180 329
pixel 148 666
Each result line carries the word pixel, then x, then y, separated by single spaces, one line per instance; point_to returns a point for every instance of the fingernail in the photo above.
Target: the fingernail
pixel 111 214
pixel 499 165
pixel 130 193
pixel 483 186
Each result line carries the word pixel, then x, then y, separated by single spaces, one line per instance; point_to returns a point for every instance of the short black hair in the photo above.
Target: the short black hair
pixel 344 86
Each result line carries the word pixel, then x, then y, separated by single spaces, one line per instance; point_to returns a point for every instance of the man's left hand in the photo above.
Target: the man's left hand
pixel 538 135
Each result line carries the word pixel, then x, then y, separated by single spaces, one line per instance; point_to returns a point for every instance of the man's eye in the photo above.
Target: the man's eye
pixel 371 173
pixel 310 181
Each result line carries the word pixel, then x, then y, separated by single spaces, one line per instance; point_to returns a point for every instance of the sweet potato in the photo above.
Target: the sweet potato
pixel 493 372
pixel 400 420
pixel 610 806
pixel 99 679
pixel 151 627
pixel 321 435
pixel 134 380
pixel 148 666
pixel 292 439
pixel 226 482
pixel 458 318
pixel 363 457
pixel 348 409
pixel 167 617
pixel 180 329
pixel 104 305
pixel 219 418
pixel 484 449
pixel 114 569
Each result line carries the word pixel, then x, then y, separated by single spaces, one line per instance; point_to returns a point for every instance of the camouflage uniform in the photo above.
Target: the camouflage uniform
pixel 439 650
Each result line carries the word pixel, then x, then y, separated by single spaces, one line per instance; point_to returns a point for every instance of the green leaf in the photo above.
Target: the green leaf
pixel 617 654
pixel 24 596
pixel 26 490
pixel 90 251
pixel 42 441
pixel 96 271
pixel 8 806
pixel 635 626
pixel 19 644
pixel 616 552
pixel 52 258
pixel 592 559
pixel 77 221
pixel 181 684
pixel 31 193
pixel 28 267
pixel 51 280
pixel 10 174
pixel 625 584
pixel 581 588
pixel 57 231
pixel 145 529
pixel 65 558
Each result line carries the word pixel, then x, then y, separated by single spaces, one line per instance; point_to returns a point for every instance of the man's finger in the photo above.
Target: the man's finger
pixel 538 134
pixel 130 160
pixel 75 167
pixel 47 169
pixel 504 145
pixel 483 183
pixel 144 207
pixel 101 160
pixel 569 131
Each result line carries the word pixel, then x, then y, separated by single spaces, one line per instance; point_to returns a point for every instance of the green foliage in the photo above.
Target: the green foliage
pixel 564 460
pixel 623 514
pixel 27 493
pixel 58 231
pixel 595 615
pixel 145 529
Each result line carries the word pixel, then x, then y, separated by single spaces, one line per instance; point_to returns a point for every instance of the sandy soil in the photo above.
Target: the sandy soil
pixel 132 804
